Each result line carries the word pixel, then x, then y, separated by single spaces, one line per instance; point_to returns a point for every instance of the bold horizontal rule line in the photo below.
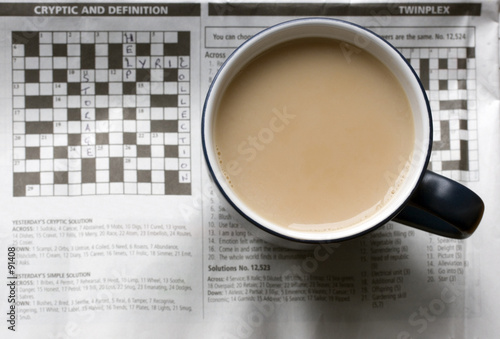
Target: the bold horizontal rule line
pixel 339 9
pixel 102 9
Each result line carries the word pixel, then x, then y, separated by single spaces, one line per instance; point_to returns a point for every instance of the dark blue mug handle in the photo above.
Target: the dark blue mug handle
pixel 442 206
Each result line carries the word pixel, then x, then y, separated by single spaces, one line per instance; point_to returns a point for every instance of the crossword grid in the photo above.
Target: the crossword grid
pixel 449 78
pixel 101 113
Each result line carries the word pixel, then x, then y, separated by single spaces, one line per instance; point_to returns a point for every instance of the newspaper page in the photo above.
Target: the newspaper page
pixel 112 228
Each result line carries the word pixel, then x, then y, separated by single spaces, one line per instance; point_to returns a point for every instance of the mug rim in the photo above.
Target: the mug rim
pixel 311 240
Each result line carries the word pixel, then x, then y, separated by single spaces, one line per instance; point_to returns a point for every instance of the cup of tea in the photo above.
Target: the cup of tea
pixel 318 130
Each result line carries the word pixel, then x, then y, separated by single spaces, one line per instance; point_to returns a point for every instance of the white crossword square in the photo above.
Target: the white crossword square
pixel 143 126
pixel 116 150
pixel 18 76
pixel 46 165
pixel 32 165
pixel 32 140
pixel 130 176
pixel 102 188
pixel 61 140
pixel 115 138
pixel 171 164
pixel 143 164
pixel 32 62
pixel 158 189
pixel 88 189
pixel 170 113
pixel 45 63
pixel 102 176
pixel 157 164
pixel 46 152
pixel 61 165
pixel 130 188
pixel 102 163
pixel 60 190
pixel 144 188
pixel 116 188
pixel 19 128
pixel 46 190
pixel 19 153
pixel 157 176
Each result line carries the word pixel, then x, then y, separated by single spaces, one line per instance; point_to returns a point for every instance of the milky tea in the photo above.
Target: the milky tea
pixel 314 134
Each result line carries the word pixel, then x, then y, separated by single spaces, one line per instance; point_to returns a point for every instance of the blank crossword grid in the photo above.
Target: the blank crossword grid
pixel 101 113
pixel 449 78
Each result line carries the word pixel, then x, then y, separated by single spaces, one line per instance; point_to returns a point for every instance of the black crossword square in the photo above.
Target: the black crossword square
pixel 129 113
pixel 60 177
pixel 32 153
pixel 102 138
pixel 443 84
pixel 74 114
pixel 74 88
pixel 115 54
pixel 143 49
pixel 59 50
pixel 462 63
pixel 171 151
pixel 31 76
pixel 170 74
pixel 59 75
pixel 142 75
pixel 101 114
pixel 87 56
pixel 129 138
pixel 39 101
pixel 143 176
pixel 129 88
pixel 60 152
pixel 74 139
pixel 101 88
pixel 88 170
pixel 143 151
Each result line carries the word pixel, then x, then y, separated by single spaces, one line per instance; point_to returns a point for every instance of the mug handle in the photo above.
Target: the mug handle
pixel 442 206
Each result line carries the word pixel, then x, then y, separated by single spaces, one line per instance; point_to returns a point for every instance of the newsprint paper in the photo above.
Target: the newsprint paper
pixel 111 226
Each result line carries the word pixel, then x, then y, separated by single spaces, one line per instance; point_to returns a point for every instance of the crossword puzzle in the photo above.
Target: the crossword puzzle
pixel 449 78
pixel 101 113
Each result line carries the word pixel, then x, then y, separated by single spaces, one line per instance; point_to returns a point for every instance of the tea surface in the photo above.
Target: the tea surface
pixel 313 134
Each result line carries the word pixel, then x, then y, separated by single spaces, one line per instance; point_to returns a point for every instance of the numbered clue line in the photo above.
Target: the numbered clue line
pixel 12 288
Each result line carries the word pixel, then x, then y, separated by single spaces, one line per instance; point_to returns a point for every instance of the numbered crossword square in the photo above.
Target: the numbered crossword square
pixel 101 112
